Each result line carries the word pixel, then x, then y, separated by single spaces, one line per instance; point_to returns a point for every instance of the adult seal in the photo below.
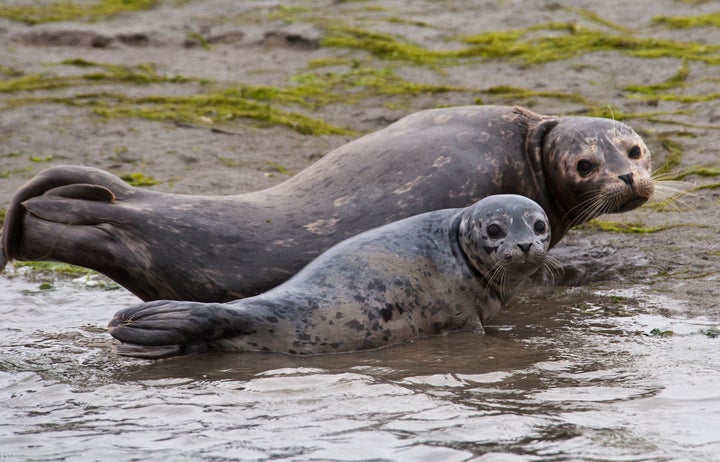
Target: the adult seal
pixel 212 248
pixel 426 275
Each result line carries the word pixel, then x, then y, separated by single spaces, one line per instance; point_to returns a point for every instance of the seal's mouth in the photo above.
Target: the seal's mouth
pixel 633 203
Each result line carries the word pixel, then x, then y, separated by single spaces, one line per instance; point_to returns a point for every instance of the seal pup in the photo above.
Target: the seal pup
pixel 215 249
pixel 430 274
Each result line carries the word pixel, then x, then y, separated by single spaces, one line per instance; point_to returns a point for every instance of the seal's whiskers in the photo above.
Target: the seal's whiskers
pixel 669 192
pixel 553 267
pixel 598 203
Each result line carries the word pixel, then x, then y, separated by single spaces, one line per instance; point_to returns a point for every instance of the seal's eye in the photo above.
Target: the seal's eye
pixel 635 152
pixel 494 231
pixel 584 167
pixel 539 227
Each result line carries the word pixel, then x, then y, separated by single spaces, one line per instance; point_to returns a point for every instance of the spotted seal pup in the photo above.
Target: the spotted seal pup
pixel 433 273
pixel 215 249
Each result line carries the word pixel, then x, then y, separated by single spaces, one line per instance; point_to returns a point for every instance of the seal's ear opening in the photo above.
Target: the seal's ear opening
pixel 536 137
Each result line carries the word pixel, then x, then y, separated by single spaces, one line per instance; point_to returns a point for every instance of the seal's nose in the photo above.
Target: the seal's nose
pixel 525 247
pixel 627 178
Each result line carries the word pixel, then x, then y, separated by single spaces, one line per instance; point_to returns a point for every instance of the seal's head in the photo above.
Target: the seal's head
pixel 505 238
pixel 596 166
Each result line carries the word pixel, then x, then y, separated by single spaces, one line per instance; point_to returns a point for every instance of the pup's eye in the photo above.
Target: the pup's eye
pixel 494 230
pixel 584 167
pixel 635 152
pixel 539 227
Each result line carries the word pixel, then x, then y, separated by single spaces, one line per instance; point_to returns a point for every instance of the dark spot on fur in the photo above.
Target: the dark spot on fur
pixel 338 315
pixel 355 324
pixel 387 312
pixel 376 284
pixel 272 319
pixel 489 250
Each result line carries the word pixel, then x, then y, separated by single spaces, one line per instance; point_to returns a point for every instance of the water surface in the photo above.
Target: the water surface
pixel 565 374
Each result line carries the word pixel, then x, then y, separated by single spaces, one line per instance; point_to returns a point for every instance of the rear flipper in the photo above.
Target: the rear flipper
pixel 71 182
pixel 168 328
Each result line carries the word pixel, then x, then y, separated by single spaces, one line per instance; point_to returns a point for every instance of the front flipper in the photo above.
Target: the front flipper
pixel 168 328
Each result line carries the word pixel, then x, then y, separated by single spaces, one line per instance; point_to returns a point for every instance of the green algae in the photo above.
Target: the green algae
pixel 705 186
pixel 656 332
pixel 594 17
pixel 289 14
pixel 685 22
pixel 699 170
pixel 36 82
pixel 591 108
pixel 208 109
pixel 673 157
pixel 382 45
pixel 14 171
pixel 515 93
pixel 410 22
pixel 711 332
pixel 621 227
pixel 66 10
pixel 141 74
pixel 4 70
pixel 139 179
pixel 568 40
pixel 687 98
pixel 3 213
pixel 214 106
pixel 38 159
pixel 658 92
pixel 385 81
pixel 326 62
pixel 53 267
pixel 192 37
pixel 678 80
pixel 537 44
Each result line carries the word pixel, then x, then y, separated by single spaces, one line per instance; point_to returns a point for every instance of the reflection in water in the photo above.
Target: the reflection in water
pixel 564 374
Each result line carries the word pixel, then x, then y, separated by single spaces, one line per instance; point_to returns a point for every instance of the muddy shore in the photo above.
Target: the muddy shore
pixel 128 93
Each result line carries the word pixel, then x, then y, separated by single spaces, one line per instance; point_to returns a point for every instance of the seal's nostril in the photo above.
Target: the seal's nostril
pixel 627 178
pixel 525 247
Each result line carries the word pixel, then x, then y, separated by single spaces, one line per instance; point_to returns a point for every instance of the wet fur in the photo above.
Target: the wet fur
pixel 231 247
pixel 426 275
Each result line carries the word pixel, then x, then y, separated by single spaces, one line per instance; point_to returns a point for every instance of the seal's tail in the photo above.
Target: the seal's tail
pixel 168 328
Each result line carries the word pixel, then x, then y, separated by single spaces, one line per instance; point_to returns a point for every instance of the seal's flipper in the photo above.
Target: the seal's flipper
pixel 71 211
pixel 75 204
pixel 150 352
pixel 88 192
pixel 68 181
pixel 165 328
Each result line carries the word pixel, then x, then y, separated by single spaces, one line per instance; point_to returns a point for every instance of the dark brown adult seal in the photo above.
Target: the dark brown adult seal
pixel 168 246
pixel 430 274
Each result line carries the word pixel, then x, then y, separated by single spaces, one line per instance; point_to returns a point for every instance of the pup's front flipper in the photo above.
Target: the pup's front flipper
pixel 167 328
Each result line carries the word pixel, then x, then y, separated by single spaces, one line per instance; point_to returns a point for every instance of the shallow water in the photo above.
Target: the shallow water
pixel 564 374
